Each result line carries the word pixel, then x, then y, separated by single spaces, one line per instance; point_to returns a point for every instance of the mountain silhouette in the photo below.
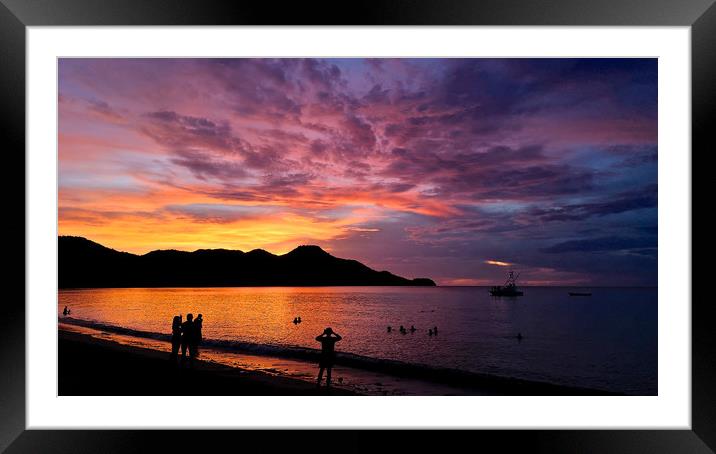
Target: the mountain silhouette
pixel 83 263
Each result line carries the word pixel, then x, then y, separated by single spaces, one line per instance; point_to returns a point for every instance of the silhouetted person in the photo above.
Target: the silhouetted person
pixel 435 330
pixel 390 328
pixel 197 333
pixel 328 354
pixel 66 311
pixel 412 328
pixel 430 332
pixel 295 320
pixel 402 329
pixel 519 337
pixel 187 339
pixel 176 338
pixel 299 319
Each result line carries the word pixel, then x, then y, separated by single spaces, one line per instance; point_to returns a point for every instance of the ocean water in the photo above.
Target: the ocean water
pixel 607 341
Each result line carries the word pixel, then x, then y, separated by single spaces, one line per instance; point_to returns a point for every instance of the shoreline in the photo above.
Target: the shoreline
pixel 98 367
pixel 88 365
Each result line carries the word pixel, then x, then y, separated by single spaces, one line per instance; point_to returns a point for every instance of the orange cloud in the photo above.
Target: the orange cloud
pixel 498 263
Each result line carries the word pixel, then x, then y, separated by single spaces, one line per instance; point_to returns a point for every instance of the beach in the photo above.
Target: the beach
pixel 91 365
pixel 95 367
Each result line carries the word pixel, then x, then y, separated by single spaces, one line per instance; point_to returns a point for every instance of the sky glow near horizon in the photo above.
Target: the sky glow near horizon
pixel 453 169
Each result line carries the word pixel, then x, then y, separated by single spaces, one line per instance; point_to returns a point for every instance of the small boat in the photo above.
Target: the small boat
pixel 580 294
pixel 510 287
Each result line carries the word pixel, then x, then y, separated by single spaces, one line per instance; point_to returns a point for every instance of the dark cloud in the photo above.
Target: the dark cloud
pixel 173 130
pixel 102 108
pixel 499 172
pixel 204 166
pixel 272 187
pixel 377 95
pixel 360 134
pixel 602 244
pixel 634 156
pixel 321 75
pixel 641 198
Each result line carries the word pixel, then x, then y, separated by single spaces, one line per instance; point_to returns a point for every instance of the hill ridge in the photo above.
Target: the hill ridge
pixel 85 263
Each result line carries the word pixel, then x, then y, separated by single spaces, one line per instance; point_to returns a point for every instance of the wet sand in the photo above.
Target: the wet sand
pixel 94 367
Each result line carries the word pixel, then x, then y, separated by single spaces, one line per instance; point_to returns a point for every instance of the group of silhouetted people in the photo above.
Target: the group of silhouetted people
pixel 296 320
pixel 66 311
pixel 431 332
pixel 186 335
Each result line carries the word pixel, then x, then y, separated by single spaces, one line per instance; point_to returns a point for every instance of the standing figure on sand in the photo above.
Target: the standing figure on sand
pixel 176 338
pixel 197 333
pixel 187 339
pixel 328 354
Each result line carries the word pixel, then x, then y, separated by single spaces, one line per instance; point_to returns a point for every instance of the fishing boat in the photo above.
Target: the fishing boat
pixel 510 287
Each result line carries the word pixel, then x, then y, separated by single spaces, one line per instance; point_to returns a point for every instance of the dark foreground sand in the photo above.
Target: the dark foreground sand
pixel 95 367
pixel 91 366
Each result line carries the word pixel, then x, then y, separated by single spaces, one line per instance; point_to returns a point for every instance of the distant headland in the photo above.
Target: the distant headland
pixel 83 263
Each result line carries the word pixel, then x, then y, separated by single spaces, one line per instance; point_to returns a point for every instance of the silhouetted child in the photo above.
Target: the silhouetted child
pixel 187 339
pixel 176 338
pixel 328 354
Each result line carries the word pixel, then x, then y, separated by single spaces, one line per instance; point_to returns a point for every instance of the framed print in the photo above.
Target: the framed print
pixel 418 216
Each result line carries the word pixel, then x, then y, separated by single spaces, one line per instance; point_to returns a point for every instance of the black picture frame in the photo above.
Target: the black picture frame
pixel 16 15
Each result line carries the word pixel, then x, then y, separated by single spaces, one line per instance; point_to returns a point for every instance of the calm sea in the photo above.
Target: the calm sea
pixel 607 341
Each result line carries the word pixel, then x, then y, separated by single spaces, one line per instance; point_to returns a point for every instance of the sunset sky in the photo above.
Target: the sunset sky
pixel 453 169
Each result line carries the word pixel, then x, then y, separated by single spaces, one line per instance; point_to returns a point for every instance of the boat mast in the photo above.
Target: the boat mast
pixel 511 278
